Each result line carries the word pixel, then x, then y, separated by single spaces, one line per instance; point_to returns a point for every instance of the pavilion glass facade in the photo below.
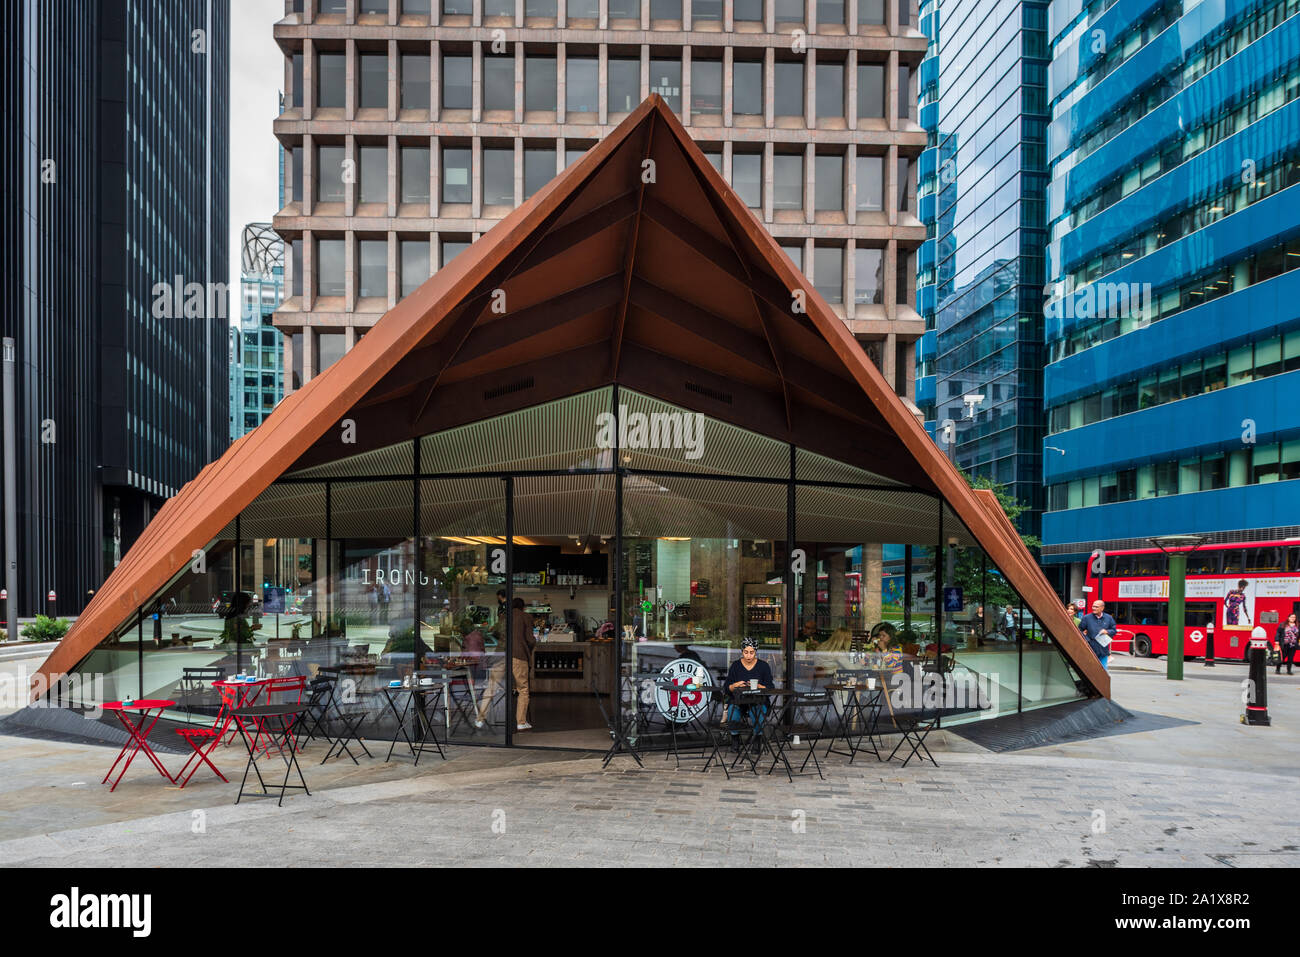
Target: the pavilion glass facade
pixel 692 535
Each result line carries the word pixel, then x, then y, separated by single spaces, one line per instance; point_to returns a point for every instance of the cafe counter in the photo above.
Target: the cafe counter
pixel 571 666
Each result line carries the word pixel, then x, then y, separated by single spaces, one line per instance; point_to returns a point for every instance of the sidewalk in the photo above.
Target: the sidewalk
pixel 1184 784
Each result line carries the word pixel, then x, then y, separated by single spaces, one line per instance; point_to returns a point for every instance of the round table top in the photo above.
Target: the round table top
pixel 236 681
pixel 269 710
pixel 146 704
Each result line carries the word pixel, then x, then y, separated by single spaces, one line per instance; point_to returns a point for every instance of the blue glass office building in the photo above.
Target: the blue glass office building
pixel 257 351
pixel 983 102
pixel 1173 315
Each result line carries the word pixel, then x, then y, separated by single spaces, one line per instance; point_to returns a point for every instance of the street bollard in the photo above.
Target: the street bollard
pixel 1257 699
pixel 1209 645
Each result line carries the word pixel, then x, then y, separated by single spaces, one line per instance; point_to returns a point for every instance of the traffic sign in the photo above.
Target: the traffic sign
pixel 952 599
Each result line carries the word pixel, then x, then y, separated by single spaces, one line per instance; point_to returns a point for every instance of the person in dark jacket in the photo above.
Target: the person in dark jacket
pixel 1287 639
pixel 1096 626
pixel 742 671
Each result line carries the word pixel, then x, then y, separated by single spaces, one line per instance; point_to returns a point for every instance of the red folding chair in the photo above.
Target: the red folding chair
pixel 203 741
pixel 291 689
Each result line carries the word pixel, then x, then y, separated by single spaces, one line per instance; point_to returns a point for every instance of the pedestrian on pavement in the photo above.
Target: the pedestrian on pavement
pixel 1009 623
pixel 1098 629
pixel 1287 639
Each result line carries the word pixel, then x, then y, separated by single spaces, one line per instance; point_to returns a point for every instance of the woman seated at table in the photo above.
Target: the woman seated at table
pixel 742 671
pixel 885 639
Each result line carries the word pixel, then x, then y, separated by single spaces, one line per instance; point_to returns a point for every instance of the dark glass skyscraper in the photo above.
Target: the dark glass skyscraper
pixel 114 235
pixel 980 288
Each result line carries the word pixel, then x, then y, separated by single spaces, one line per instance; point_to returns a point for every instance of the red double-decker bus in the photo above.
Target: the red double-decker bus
pixel 1234 587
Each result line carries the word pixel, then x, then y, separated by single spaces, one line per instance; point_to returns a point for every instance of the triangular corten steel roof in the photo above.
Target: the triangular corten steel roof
pixel 636 265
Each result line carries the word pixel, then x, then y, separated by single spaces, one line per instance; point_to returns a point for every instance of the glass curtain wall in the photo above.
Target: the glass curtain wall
pixel 399 560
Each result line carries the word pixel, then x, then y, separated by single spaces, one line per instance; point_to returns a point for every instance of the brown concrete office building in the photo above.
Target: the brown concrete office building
pixel 413 126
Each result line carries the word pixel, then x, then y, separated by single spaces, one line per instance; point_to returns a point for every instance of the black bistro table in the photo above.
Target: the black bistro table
pixel 756 731
pixel 422 728
pixel 262 716
pixel 687 720
pixel 859 717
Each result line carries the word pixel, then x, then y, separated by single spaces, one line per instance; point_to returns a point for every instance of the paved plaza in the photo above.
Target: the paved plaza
pixel 1181 784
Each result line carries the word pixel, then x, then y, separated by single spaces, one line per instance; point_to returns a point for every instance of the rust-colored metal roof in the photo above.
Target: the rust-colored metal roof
pixel 636 265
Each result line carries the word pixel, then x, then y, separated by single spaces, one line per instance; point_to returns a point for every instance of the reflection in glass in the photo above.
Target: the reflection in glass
pixel 624 84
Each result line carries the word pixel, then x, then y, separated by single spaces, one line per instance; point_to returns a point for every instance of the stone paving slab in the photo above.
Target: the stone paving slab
pixel 1191 786
pixel 998 814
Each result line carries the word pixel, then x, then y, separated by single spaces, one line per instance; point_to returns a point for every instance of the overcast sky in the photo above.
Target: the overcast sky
pixel 256 78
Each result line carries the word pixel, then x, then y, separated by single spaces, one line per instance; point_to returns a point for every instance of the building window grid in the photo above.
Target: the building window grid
pixel 1162 88
pixel 1164 303
pixel 454 190
pixel 1192 377
pixel 1209 471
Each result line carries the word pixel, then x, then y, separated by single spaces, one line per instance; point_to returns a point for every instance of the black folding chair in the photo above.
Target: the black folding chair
pixel 347 717
pixel 196 685
pixel 320 691
pixel 808 721
pixel 915 729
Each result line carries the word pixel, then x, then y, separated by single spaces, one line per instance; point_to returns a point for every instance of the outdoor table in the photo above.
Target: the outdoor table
pixel 639 726
pixel 860 713
pixel 247 694
pixel 447 676
pixel 776 701
pixel 139 733
pixel 261 715
pixel 423 728
pixel 679 729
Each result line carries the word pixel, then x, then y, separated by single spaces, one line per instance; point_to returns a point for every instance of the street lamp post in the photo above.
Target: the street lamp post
pixel 1177 548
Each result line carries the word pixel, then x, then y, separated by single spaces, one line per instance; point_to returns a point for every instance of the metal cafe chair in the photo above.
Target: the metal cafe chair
pixel 203 741
pixel 195 686
pixel 320 690
pixel 915 729
pixel 348 721
pixel 808 717
pixel 286 690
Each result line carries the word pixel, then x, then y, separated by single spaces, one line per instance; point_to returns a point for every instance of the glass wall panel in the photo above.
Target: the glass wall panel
pixel 374 81
pixel 539 169
pixel 624 82
pixel 706 87
pixel 581 82
pixel 415 174
pixel 747 88
pixel 704 570
pixel 564 543
pixel 414 93
pixel 331 81
pixel 747 178
pixel 455 174
pixel 666 80
pixel 462 621
pixel 498 177
pixel 788 88
pixel 540 87
pixel 499 83
pixel 374 174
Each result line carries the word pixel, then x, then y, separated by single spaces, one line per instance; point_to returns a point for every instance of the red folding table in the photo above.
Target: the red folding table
pixel 236 694
pixel 149 710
